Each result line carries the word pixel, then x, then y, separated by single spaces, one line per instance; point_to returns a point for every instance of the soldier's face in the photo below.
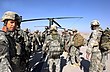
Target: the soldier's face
pixel 94 27
pixel 11 25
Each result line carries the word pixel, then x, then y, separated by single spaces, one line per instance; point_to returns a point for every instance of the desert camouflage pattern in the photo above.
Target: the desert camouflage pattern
pixel 93 49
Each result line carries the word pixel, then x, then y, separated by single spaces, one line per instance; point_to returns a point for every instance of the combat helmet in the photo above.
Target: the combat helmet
pixel 74 30
pixel 37 31
pixel 95 23
pixel 53 27
pixel 26 30
pixel 9 15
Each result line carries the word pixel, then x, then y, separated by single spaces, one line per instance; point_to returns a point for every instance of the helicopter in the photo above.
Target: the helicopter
pixel 51 20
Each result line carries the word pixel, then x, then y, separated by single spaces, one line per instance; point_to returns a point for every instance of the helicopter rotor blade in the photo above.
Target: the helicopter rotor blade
pixel 56 23
pixel 66 17
pixel 49 18
pixel 34 19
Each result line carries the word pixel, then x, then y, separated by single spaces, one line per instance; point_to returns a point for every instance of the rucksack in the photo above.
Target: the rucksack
pixel 105 40
pixel 78 40
pixel 54 48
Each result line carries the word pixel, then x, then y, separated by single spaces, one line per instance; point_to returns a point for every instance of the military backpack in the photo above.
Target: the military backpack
pixel 78 40
pixel 105 40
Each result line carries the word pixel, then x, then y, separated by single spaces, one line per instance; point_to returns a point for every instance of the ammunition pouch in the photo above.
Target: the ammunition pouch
pixel 16 60
pixel 54 54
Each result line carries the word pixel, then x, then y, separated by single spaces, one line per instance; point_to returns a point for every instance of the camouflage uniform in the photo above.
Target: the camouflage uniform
pixel 73 51
pixel 105 46
pixel 93 49
pixel 74 55
pixel 65 39
pixel 19 37
pixel 11 19
pixel 27 41
pixel 14 52
pixel 53 54
pixel 37 42
pixel 4 54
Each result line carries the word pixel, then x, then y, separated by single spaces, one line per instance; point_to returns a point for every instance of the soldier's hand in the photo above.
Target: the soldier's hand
pixel 88 56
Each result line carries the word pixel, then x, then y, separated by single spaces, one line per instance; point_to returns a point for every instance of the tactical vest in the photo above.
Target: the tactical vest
pixel 12 49
pixel 54 47
pixel 19 40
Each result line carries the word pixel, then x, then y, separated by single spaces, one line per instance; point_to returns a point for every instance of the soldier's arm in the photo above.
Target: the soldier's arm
pixel 89 48
pixel 46 44
pixel 3 45
pixel 61 41
pixel 88 53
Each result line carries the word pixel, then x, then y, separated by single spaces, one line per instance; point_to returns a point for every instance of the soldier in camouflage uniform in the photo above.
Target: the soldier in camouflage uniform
pixel 28 46
pixel 20 48
pixel 27 41
pixel 47 31
pixel 93 48
pixel 65 39
pixel 37 42
pixel 73 51
pixel 7 41
pixel 53 47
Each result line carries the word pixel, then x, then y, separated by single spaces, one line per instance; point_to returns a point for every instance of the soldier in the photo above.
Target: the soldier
pixel 47 31
pixel 65 39
pixel 20 47
pixel 53 47
pixel 28 46
pixel 74 52
pixel 27 42
pixel 45 34
pixel 37 42
pixel 93 48
pixel 7 41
